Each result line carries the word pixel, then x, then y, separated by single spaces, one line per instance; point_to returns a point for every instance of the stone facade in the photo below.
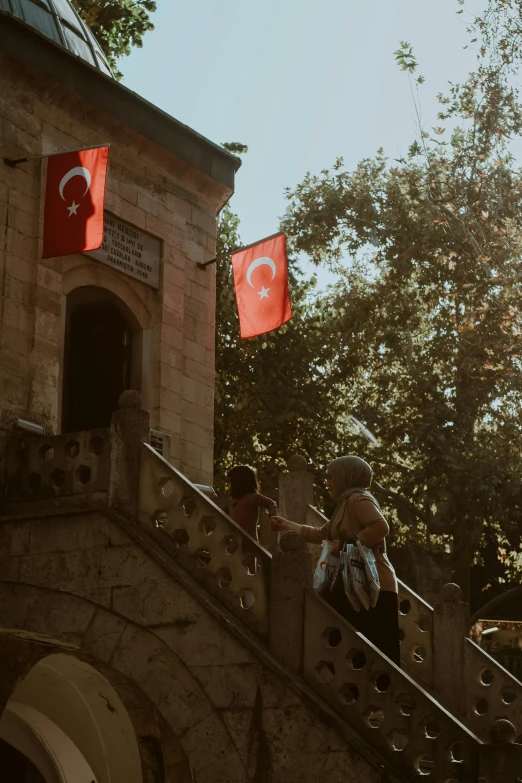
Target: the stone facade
pixel 82 579
pixel 255 677
pixel 147 186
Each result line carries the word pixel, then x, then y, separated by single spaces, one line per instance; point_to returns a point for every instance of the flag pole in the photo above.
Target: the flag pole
pixel 207 263
pixel 243 247
pixel 14 162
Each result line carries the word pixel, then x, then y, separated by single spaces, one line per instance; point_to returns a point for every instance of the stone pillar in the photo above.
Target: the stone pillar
pixel 296 490
pixel 291 574
pixel 450 629
pixel 501 762
pixel 130 427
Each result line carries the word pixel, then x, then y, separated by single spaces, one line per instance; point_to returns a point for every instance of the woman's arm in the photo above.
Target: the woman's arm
pixel 315 535
pixel 375 528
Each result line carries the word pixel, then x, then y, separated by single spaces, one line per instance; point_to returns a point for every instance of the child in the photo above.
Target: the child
pixel 244 489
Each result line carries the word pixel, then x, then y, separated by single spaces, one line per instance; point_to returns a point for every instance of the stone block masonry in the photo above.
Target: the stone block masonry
pixel 147 187
pixel 79 578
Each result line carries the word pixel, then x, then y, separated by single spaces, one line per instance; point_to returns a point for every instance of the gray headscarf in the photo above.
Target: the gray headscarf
pixel 350 474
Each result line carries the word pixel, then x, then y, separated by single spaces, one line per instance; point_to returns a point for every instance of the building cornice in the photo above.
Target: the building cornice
pixel 27 45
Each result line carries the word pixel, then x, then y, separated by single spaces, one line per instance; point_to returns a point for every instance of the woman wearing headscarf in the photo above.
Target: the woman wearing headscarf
pixel 358 516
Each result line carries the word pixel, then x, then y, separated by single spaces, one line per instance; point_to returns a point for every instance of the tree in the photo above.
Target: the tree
pixel 117 24
pixel 272 395
pixel 500 30
pixel 429 325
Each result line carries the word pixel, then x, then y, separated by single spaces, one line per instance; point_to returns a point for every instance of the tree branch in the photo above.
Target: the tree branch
pixel 398 499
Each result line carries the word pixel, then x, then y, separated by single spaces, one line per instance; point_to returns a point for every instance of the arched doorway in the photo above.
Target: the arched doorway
pixel 16 767
pixel 102 358
pixel 65 723
pixel 34 749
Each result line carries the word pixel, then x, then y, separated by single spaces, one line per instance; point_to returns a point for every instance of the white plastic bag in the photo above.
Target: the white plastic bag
pixel 373 585
pixel 360 577
pixel 354 578
pixel 325 567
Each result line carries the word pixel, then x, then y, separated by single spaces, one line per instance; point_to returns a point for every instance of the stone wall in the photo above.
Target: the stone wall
pixel 149 188
pixel 82 579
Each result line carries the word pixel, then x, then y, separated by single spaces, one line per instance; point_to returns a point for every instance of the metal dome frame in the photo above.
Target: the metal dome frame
pixel 59 21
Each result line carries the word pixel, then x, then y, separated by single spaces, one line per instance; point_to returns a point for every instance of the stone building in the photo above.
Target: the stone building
pixel 144 637
pixel 165 185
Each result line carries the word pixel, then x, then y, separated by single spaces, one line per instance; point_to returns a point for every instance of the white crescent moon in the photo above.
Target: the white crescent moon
pixel 263 261
pixel 79 171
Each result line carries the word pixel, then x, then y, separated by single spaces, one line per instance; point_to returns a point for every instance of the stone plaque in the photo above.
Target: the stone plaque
pixel 129 250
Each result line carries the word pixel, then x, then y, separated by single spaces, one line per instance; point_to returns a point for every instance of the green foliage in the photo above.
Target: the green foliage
pixel 420 339
pixel 117 24
pixel 428 326
pixel 235 147
pixel 405 58
pixel 407 61
pixel 272 396
pixel 499 30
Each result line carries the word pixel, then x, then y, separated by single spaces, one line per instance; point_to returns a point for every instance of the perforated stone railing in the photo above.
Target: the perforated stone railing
pixel 458 671
pixel 416 735
pixel 491 692
pixel 415 627
pixel 415 624
pixel 232 566
pixel 58 465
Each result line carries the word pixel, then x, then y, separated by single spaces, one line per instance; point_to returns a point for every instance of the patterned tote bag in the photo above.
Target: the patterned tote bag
pixel 372 583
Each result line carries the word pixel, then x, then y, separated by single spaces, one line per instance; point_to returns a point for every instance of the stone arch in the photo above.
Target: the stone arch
pixel 102 290
pixel 138 656
pixel 59 714
pixel 159 752
pixel 97 276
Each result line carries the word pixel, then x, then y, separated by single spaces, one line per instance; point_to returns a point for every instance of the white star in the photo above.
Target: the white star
pixel 73 209
pixel 263 294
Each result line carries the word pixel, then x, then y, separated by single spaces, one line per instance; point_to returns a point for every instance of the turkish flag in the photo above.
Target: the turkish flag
pixel 261 282
pixel 74 201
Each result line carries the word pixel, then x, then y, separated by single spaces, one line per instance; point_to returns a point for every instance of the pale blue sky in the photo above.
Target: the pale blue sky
pixel 301 82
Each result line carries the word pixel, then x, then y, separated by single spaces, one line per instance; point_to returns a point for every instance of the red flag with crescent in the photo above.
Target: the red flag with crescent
pixel 74 202
pixel 261 282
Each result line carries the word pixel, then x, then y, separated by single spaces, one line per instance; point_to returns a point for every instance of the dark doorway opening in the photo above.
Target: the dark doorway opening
pixel 15 767
pixel 97 364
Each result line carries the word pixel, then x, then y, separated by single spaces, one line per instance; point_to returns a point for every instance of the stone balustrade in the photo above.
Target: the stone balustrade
pixel 416 633
pixel 44 467
pixel 492 693
pixel 415 624
pixel 398 710
pixel 207 543
pixel 466 679
pixel 501 759
pixel 384 704
pixel 461 674
pixel 415 734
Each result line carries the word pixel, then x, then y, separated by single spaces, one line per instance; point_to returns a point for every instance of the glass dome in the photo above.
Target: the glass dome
pixel 58 20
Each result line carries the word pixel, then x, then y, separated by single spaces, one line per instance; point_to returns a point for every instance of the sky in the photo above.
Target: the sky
pixel 300 82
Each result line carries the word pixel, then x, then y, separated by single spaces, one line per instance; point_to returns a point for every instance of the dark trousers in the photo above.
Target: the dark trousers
pixel 380 625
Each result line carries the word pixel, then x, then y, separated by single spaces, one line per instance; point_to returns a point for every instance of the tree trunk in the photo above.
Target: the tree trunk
pixel 464 548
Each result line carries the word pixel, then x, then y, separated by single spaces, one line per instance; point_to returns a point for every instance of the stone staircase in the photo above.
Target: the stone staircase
pixel 438 654
pixel 449 714
pixel 386 705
